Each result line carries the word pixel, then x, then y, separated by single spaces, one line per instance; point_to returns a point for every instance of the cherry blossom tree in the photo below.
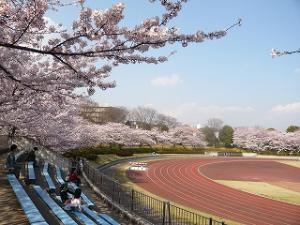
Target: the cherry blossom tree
pixel 187 136
pixel 275 52
pixel 41 64
pixel 36 55
pixel 260 139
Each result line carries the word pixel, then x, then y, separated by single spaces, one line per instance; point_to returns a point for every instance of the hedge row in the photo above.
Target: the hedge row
pixel 91 153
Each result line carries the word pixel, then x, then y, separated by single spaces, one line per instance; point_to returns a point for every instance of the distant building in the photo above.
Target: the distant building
pixel 198 126
pixel 132 124
pixel 101 114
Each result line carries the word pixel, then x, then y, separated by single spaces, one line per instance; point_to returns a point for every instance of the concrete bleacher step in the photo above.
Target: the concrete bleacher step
pixel 39 223
pixel 55 208
pixel 108 219
pixel 83 218
pixel 94 215
pixel 48 178
pixel 101 219
pixel 31 211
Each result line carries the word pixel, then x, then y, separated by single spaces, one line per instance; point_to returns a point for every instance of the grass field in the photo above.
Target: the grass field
pixel 291 163
pixel 265 190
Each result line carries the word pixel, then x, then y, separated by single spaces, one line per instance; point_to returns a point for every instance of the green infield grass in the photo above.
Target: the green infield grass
pixel 265 190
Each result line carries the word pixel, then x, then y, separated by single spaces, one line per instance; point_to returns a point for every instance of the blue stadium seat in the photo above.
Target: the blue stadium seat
pixel 94 216
pixel 55 208
pixel 31 174
pixel 32 213
pixel 48 178
pixel 39 223
pixel 83 218
pixel 58 175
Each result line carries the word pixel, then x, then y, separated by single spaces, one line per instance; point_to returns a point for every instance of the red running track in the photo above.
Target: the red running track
pixel 181 181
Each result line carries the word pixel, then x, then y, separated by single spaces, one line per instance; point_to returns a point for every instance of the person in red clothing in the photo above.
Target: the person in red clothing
pixel 73 177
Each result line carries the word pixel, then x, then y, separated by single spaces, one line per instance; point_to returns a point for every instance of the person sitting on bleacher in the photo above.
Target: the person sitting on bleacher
pixel 63 193
pixel 75 202
pixel 11 164
pixel 31 156
pixel 73 177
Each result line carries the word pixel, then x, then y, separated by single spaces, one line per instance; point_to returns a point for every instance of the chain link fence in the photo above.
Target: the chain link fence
pixel 153 210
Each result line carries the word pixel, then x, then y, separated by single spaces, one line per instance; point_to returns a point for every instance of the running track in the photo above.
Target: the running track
pixel 181 181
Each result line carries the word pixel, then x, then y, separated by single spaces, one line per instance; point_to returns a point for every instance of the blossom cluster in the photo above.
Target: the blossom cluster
pixel 260 139
pixel 276 53
pixel 41 64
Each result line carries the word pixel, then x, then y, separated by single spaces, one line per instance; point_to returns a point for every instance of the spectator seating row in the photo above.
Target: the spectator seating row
pixel 94 216
pixel 101 218
pixel 83 196
pixel 59 178
pixel 87 216
pixel 72 186
pixel 48 178
pixel 82 217
pixel 54 207
pixel 32 213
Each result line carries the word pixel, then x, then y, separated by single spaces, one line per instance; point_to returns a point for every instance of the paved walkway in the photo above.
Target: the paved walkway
pixel 11 212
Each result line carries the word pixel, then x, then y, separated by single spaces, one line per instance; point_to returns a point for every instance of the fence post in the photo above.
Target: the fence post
pixel 169 212
pixel 113 190
pixel 210 221
pixel 164 214
pixel 132 199
pixel 88 171
pixel 94 173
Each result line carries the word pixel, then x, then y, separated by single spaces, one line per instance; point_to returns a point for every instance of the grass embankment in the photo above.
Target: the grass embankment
pixel 264 190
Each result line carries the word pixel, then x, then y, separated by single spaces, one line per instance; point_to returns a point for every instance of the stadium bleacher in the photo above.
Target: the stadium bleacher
pixel 31 211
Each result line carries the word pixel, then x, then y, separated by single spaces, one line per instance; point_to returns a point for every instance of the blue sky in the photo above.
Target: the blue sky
pixel 234 78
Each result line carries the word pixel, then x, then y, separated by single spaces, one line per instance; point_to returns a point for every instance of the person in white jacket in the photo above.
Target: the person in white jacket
pixel 75 202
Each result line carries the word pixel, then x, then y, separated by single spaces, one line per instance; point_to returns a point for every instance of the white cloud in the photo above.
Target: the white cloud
pixel 297 70
pixel 163 81
pixel 288 108
pixel 50 22
pixel 149 105
pixel 211 109
pixel 193 113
